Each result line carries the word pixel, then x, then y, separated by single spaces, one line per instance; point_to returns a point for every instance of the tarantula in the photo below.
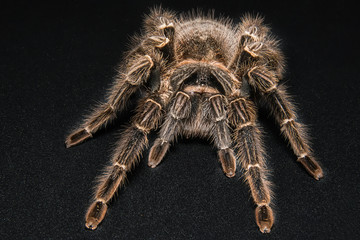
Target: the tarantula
pixel 198 76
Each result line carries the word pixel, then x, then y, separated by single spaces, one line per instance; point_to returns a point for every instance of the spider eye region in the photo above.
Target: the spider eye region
pixel 203 81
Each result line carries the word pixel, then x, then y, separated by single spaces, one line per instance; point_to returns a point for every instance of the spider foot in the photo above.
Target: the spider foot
pixel 157 153
pixel 264 218
pixel 77 137
pixel 311 166
pixel 95 215
pixel 228 162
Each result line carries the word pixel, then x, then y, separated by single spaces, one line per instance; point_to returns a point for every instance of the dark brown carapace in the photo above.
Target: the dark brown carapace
pixel 198 76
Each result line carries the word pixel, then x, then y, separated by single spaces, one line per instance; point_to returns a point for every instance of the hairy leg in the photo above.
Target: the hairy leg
pixel 221 134
pixel 127 153
pixel 250 154
pixel 260 61
pixel 139 64
pixel 126 84
pixel 284 112
pixel 180 109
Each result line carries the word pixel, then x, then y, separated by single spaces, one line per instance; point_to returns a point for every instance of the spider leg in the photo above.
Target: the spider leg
pixel 250 155
pixel 221 134
pixel 167 26
pixel 284 113
pixel 127 153
pixel 162 22
pixel 180 109
pixel 126 84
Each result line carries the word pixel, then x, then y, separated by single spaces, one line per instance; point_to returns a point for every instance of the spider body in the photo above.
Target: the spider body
pixel 199 76
pixel 205 40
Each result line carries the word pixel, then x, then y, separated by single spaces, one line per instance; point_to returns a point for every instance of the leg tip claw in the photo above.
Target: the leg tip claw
pixel 91 223
pixel 157 152
pixel 318 175
pixel 95 215
pixel 77 137
pixel 265 228
pixel 228 161
pixel 312 167
pixel 264 218
pixel 152 164
pixel 68 144
pixel 230 174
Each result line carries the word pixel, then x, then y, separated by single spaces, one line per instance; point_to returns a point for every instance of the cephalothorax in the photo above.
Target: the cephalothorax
pixel 198 77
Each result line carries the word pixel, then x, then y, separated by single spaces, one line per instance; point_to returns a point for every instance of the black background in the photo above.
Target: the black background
pixel 58 59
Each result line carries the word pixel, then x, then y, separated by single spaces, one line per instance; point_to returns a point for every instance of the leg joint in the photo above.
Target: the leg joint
pixel 253 165
pixel 123 167
pixel 286 121
pixel 217 106
pixel 263 79
pixel 247 124
pixel 139 70
pixel 181 107
pixel 142 128
pixel 154 102
pixel 157 41
pixel 88 131
pixel 101 200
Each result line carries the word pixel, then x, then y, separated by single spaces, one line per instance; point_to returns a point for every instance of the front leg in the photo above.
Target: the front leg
pixel 180 109
pixel 284 112
pixel 221 134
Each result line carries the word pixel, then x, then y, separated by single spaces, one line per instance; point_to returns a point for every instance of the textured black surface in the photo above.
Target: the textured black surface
pixel 58 59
